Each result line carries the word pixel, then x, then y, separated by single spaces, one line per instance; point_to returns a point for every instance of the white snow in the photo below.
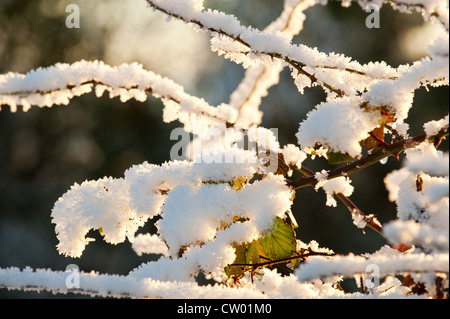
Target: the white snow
pixel 338 125
pixel 337 185
pixel 387 261
pixel 433 127
pixel 193 214
pixel 423 211
pixel 49 86
pixel 149 244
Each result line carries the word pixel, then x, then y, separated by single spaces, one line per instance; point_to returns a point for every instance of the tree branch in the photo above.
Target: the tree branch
pixel 386 151
pixel 126 81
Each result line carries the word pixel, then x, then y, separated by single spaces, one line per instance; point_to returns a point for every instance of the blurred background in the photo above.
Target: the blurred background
pixel 45 151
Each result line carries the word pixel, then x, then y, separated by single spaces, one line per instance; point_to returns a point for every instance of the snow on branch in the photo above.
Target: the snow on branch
pixel 58 84
pixel 149 244
pixel 227 211
pixel 117 207
pixel 388 261
pixel 420 235
pixel 94 284
pixel 252 47
pixel 397 96
pixel 247 97
pixel 421 192
pixel 429 9
pixel 339 125
pixel 375 157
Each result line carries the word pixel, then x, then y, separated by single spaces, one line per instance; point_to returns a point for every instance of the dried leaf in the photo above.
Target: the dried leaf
pixel 375 140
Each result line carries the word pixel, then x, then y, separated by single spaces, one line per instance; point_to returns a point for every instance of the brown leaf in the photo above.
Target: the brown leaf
pixel 401 247
pixel 375 140
pixel 408 281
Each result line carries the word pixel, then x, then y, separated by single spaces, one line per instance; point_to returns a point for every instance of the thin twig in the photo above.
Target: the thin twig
pixel 370 220
pixel 94 82
pixel 283 260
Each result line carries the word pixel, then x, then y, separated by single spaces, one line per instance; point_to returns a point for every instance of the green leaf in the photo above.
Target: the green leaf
pixel 337 157
pixel 278 243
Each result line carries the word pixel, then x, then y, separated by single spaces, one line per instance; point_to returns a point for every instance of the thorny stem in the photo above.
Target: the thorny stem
pixel 370 220
pixel 384 152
